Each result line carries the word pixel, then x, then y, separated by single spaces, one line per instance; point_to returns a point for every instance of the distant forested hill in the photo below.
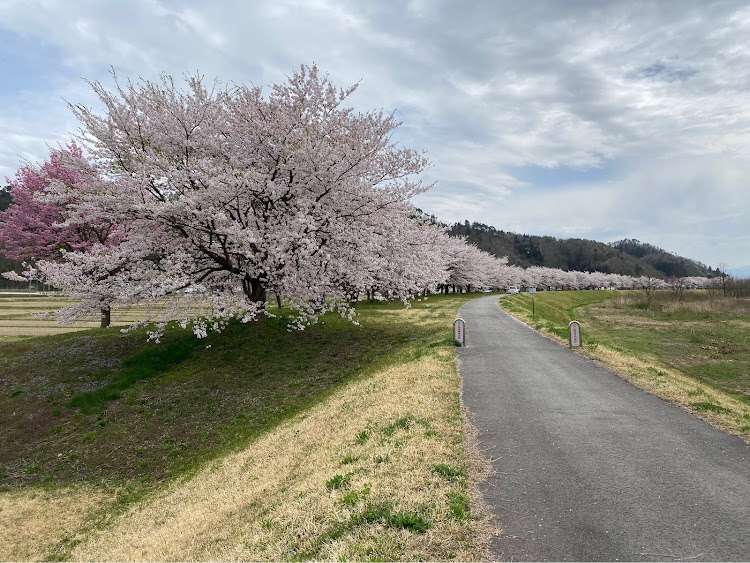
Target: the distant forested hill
pixel 663 261
pixel 627 257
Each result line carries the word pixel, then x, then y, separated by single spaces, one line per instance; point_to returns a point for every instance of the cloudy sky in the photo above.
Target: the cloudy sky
pixel 571 118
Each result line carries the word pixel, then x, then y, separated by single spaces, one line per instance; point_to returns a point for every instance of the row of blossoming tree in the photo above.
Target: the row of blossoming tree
pixel 205 200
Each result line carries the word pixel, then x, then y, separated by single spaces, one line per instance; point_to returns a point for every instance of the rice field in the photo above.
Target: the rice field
pixel 22 316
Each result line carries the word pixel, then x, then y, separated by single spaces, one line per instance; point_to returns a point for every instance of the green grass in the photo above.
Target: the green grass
pixel 105 407
pixel 459 505
pixel 450 473
pixel 410 521
pixel 373 513
pixel 141 365
pixel 362 437
pixel 554 309
pixel 338 481
pixel 349 459
pixel 402 423
pixel 352 497
pixel 705 406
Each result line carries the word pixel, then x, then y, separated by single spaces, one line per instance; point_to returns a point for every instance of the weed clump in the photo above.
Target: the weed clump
pixel 382 513
pixel 450 473
pixel 705 406
pixel 412 522
pixel 351 498
pixel 459 505
pixel 338 481
pixel 402 423
pixel 362 437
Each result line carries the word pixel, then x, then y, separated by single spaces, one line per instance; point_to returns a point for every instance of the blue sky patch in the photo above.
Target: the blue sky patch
pixel 542 177
pixel 665 72
pixel 26 64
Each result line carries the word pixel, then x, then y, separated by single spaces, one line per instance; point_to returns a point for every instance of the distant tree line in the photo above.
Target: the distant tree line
pixel 627 257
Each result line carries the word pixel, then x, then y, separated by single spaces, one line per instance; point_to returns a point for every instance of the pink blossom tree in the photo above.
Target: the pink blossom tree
pixel 44 222
pixel 33 229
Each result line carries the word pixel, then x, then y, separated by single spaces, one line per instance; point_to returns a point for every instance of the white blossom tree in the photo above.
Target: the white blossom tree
pixel 470 268
pixel 291 191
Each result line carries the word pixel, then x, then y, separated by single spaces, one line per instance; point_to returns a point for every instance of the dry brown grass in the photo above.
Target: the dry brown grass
pixel 715 306
pixel 694 301
pixel 33 522
pixel 479 469
pixel 271 502
pixel 605 315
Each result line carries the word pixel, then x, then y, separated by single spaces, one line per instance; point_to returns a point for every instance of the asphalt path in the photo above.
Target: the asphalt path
pixel 587 466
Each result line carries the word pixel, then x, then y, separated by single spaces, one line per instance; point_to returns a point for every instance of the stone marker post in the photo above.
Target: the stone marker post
pixel 459 332
pixel 574 334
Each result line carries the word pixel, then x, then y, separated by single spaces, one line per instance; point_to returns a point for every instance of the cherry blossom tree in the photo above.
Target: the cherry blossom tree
pixel 470 268
pixel 33 229
pixel 203 199
pixel 508 275
pixel 411 263
pixel 697 282
pixel 541 277
pixel 43 224
pixel 290 191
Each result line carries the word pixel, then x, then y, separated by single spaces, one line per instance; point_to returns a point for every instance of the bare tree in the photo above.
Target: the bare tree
pixel 678 287
pixel 725 280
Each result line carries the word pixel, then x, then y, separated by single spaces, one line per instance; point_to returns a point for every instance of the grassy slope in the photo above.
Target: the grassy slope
pixel 695 353
pixel 98 415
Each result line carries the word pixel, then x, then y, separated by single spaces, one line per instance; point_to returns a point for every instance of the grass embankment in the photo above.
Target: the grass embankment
pixel 694 352
pixel 258 443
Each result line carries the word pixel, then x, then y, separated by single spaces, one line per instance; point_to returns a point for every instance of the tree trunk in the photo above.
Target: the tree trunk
pixel 278 300
pixel 256 292
pixel 106 316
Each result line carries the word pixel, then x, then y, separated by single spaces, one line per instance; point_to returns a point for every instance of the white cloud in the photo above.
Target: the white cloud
pixel 656 93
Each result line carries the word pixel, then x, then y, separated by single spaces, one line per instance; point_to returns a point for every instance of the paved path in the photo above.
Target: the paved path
pixel 589 467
